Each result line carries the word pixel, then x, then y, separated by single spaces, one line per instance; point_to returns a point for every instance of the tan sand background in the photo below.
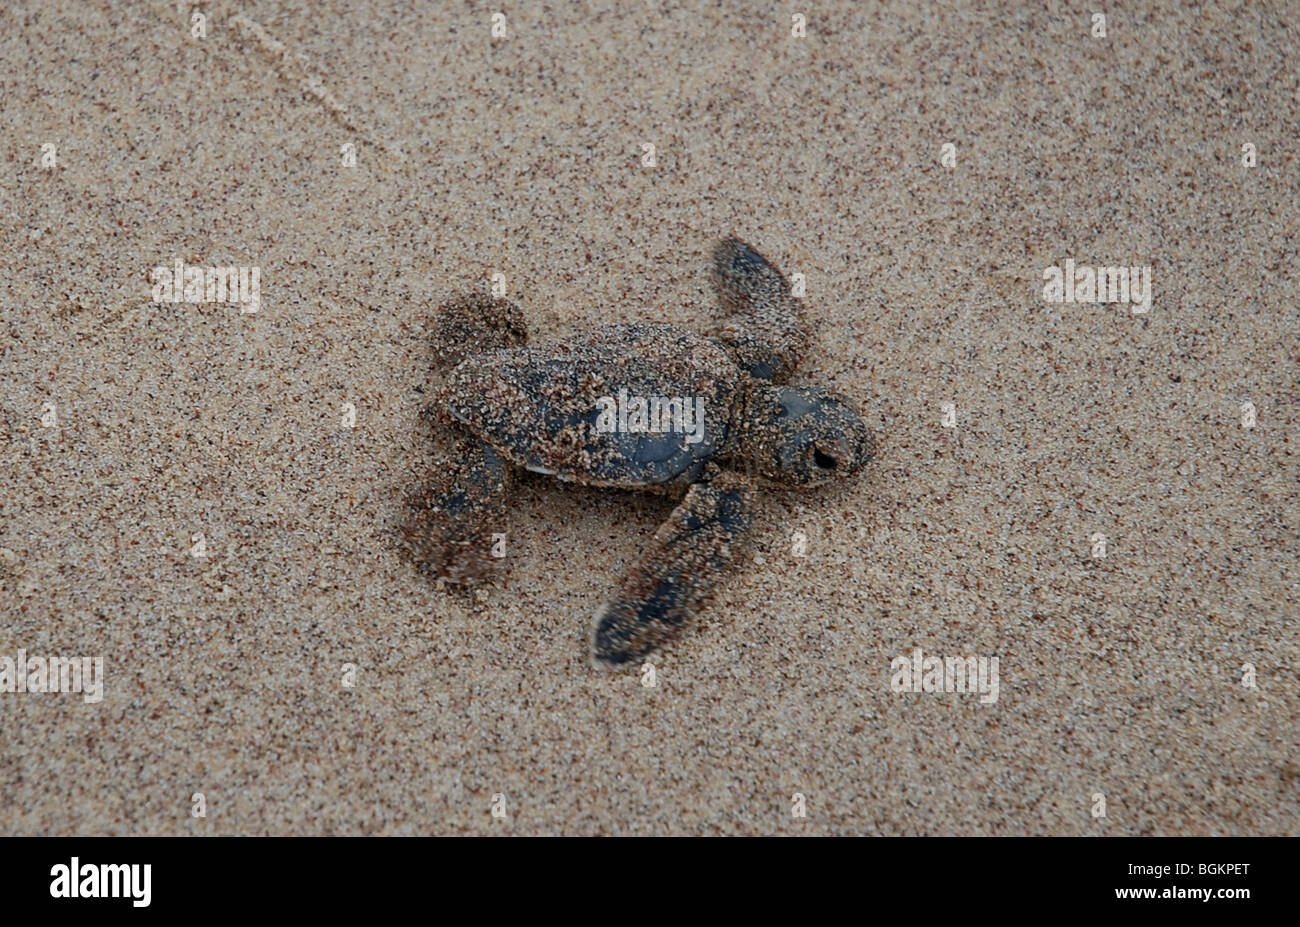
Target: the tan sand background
pixel 1119 676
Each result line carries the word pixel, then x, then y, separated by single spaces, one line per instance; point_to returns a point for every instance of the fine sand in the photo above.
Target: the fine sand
pixel 306 678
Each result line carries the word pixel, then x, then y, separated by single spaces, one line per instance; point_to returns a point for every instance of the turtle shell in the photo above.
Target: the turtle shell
pixel 621 405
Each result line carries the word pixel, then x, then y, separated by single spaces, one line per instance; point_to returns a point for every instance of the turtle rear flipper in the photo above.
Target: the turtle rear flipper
pixel 764 331
pixel 701 540
pixel 456 523
pixel 476 324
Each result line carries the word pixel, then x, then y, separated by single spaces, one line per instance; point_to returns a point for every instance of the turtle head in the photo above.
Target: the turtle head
pixel 803 436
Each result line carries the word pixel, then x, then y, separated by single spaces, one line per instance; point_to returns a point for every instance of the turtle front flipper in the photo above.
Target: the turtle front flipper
pixel 764 331
pixel 452 528
pixel 689 554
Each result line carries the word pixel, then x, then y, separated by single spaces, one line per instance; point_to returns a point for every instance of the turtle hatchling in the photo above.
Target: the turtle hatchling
pixel 639 406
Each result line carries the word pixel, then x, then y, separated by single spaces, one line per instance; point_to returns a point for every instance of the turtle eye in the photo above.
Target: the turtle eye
pixel 824 461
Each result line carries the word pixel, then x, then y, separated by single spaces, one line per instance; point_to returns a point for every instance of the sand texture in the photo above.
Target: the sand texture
pixel 306 678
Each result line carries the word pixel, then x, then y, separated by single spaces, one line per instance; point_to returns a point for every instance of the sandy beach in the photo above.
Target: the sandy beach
pixel 207 497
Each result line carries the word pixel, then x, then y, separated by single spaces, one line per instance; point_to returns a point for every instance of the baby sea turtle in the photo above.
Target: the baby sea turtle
pixel 636 406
